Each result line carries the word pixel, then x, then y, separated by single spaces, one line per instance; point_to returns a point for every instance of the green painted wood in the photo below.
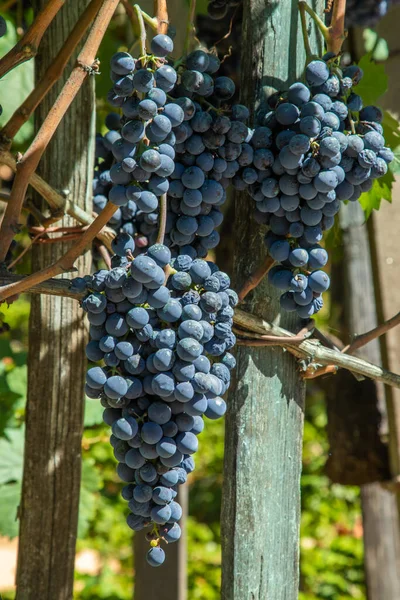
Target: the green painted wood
pixel 264 424
pixel 56 362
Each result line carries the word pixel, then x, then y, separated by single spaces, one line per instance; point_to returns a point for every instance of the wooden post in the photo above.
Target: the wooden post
pixel 264 424
pixel 380 518
pixel 57 364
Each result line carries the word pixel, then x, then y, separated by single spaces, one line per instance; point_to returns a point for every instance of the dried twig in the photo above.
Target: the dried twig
pixel 308 350
pixel 52 74
pixel 161 13
pixel 337 33
pixel 24 251
pixel 58 203
pixel 27 46
pixel 312 352
pixel 256 277
pixel 373 334
pixel 30 161
pixel 66 262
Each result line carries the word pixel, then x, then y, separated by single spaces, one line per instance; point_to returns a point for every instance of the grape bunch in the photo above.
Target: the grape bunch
pixel 318 146
pixel 189 148
pixel 162 358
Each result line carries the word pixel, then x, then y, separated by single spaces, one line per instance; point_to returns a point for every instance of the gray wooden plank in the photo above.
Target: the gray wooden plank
pixel 57 363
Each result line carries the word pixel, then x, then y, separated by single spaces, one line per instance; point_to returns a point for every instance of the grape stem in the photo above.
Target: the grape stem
pixel 151 21
pixel 58 204
pixel 142 30
pixel 53 73
pixel 190 28
pixel 335 34
pixel 27 46
pixel 306 38
pixel 66 262
pixel 256 277
pixel 163 219
pixel 86 64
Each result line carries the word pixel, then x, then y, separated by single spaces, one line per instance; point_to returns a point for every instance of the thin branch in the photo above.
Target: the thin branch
pixel 328 342
pixel 190 28
pixel 30 161
pixel 151 21
pixel 24 251
pixel 256 277
pixel 142 29
pixel 308 350
pixel 58 203
pixel 66 262
pixel 365 338
pixel 161 13
pixel 337 33
pixel 163 219
pixel 27 46
pixel 312 352
pixel 52 74
pixel 51 287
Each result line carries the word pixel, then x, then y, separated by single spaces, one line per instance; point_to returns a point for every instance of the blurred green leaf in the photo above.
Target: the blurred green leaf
pixel 93 412
pixel 375 81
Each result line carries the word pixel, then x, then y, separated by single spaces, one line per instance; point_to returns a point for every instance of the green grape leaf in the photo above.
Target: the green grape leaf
pixel 12 455
pixel 375 81
pixel 93 412
pixel 90 484
pixel 380 190
pixel 10 495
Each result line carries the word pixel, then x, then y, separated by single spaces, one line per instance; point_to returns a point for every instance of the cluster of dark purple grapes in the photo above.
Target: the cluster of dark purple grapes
pixel 318 146
pixel 180 144
pixel 162 349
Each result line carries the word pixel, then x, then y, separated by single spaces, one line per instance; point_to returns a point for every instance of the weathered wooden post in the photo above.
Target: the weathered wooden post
pixel 261 499
pixel 357 416
pixel 57 365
